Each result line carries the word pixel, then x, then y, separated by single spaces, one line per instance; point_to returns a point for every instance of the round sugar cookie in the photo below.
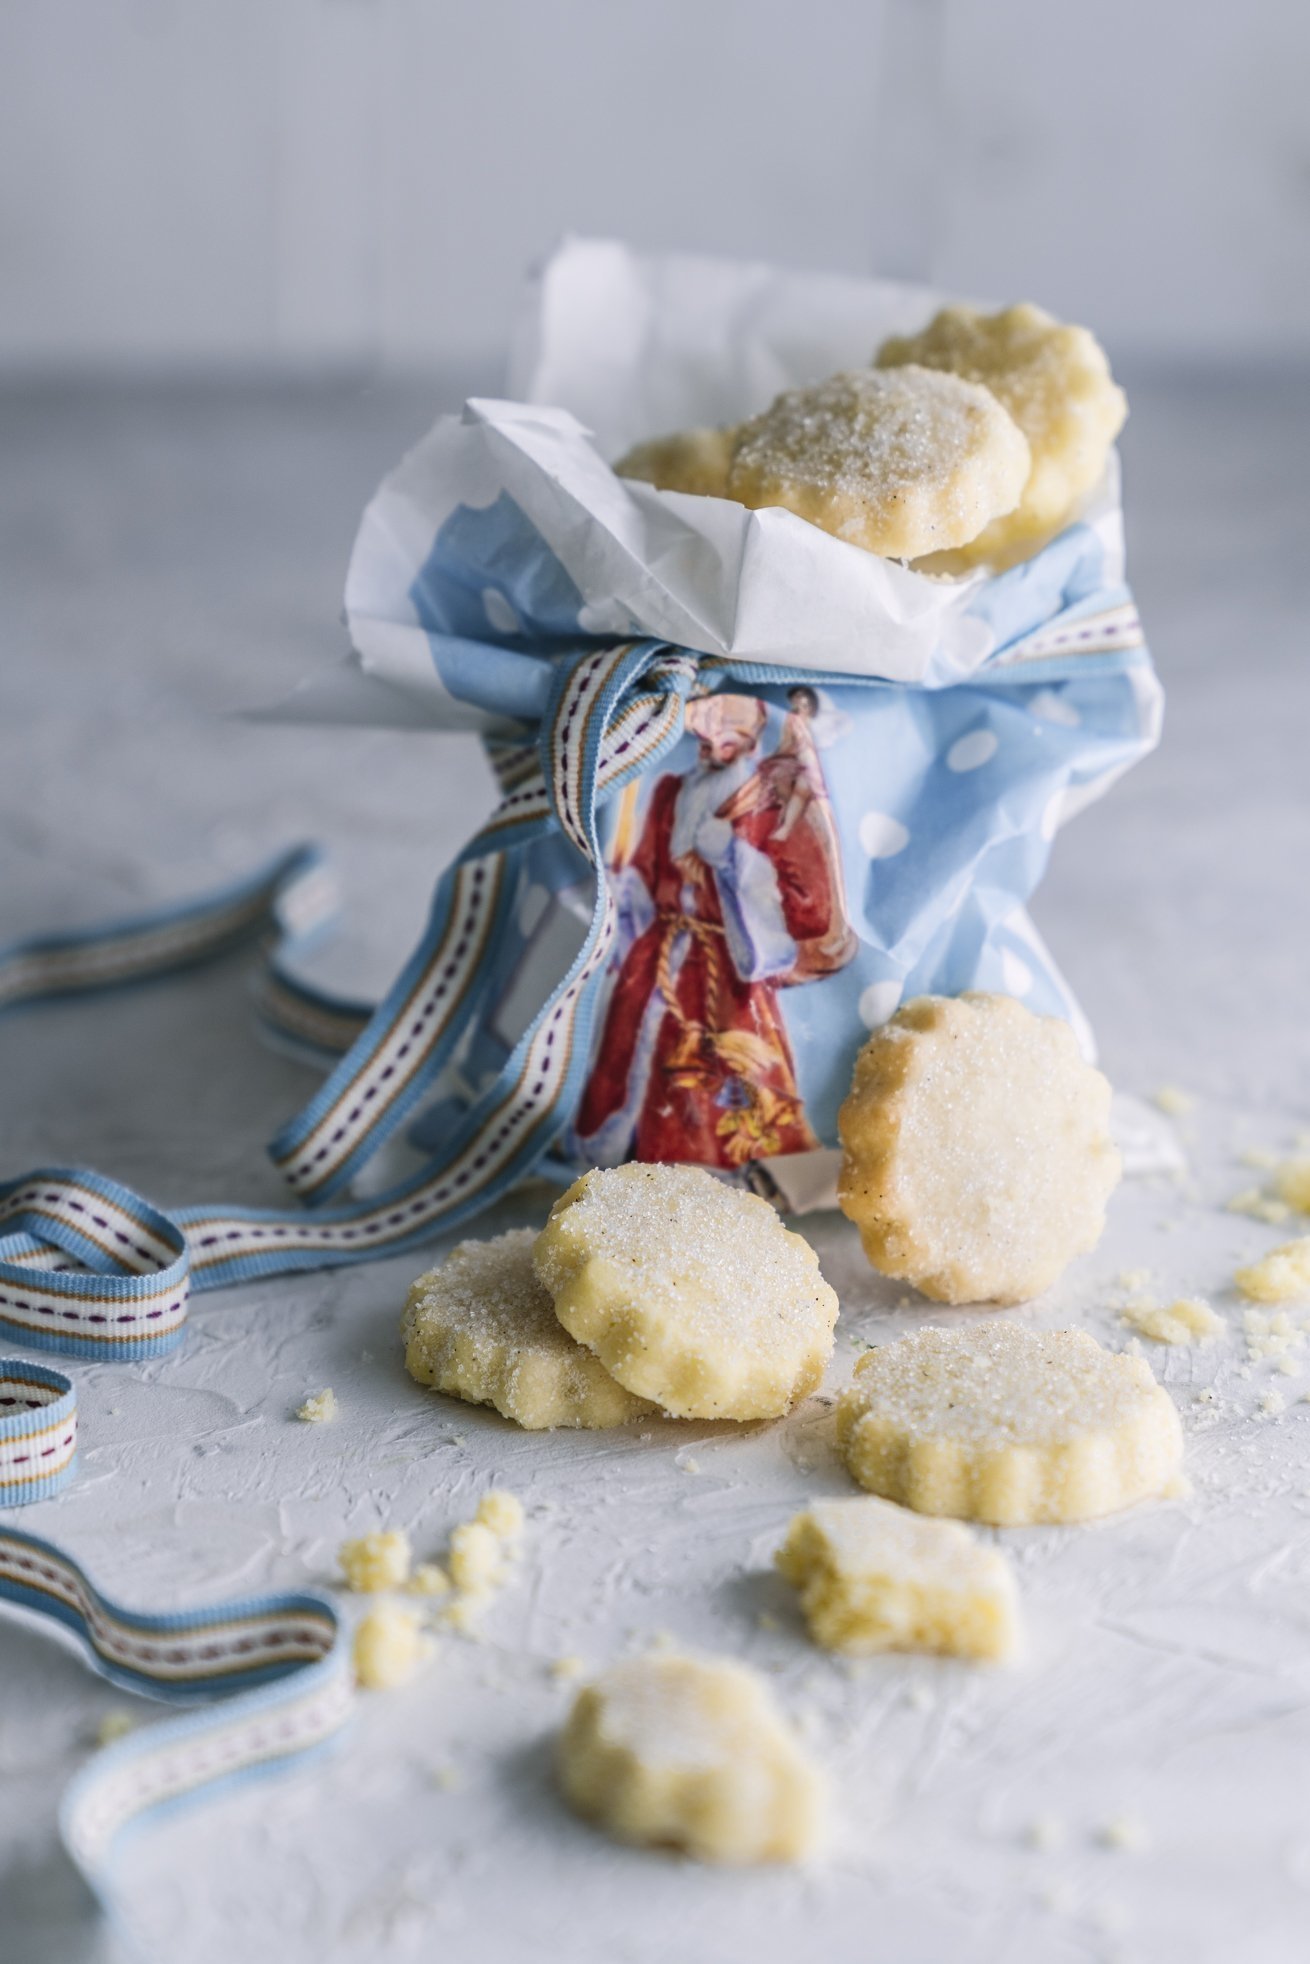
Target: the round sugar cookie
pixel 689 1291
pixel 1055 381
pixel 1008 1425
pixel 689 460
pixel 482 1328
pixel 977 1150
pixel 900 461
pixel 690 1754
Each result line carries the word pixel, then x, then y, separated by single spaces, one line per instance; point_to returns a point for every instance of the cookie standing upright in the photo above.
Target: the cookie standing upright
pixel 977 1151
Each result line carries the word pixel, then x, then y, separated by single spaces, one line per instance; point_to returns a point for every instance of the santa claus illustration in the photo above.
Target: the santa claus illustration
pixel 731 893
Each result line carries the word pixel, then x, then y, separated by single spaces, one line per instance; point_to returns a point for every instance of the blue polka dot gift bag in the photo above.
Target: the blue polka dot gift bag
pixel 758 787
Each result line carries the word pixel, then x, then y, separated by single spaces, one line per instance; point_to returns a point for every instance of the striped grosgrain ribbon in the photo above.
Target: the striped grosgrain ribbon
pixel 270 1673
pixel 88 1267
pixel 288 902
pixel 38 1431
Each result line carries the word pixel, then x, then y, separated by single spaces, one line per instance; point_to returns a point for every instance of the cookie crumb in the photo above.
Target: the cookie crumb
pixel 1126 1834
pixel 319 1408
pixel 1259 1207
pixel 1188 1320
pixel 502 1512
pixel 1280 1276
pixel 1173 1101
pixel 475 1557
pixel 388 1648
pixel 114 1724
pixel 429 1579
pixel 371 1562
pixel 1271 1337
pixel 1292 1183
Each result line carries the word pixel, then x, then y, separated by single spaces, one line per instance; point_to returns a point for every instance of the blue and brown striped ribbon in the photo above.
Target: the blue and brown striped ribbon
pixel 89 1268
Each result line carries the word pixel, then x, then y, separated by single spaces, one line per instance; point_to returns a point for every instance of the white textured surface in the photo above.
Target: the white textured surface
pixel 167 557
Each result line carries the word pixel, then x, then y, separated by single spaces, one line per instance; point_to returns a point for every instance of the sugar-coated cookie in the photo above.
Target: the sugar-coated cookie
pixel 977 1150
pixel 901 461
pixel 689 1291
pixel 692 1754
pixel 689 460
pixel 1055 381
pixel 876 1577
pixel 482 1328
pixel 996 1422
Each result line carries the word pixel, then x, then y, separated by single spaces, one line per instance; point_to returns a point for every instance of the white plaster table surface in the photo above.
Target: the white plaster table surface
pixel 170 555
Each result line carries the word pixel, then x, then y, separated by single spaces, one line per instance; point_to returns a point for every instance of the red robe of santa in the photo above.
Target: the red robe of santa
pixel 693 1061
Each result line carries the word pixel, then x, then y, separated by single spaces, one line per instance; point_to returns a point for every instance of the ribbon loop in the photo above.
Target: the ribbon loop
pixel 274 1664
pixel 120 1289
pixel 38 1432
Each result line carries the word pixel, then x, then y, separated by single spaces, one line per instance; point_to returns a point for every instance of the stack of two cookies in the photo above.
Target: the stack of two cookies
pixel 650 1289
pixel 968 444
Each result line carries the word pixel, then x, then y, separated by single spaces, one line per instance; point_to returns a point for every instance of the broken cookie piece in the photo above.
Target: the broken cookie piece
pixel 875 1577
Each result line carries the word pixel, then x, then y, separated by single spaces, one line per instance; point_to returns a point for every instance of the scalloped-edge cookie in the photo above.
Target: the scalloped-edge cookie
pixel 1055 381
pixel 977 1151
pixel 875 1577
pixel 690 1292
pixel 900 461
pixel 481 1328
pixel 689 460
pixel 998 1423
pixel 693 1754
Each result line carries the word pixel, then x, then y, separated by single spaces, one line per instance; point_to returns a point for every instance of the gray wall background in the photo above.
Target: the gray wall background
pixel 360 183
